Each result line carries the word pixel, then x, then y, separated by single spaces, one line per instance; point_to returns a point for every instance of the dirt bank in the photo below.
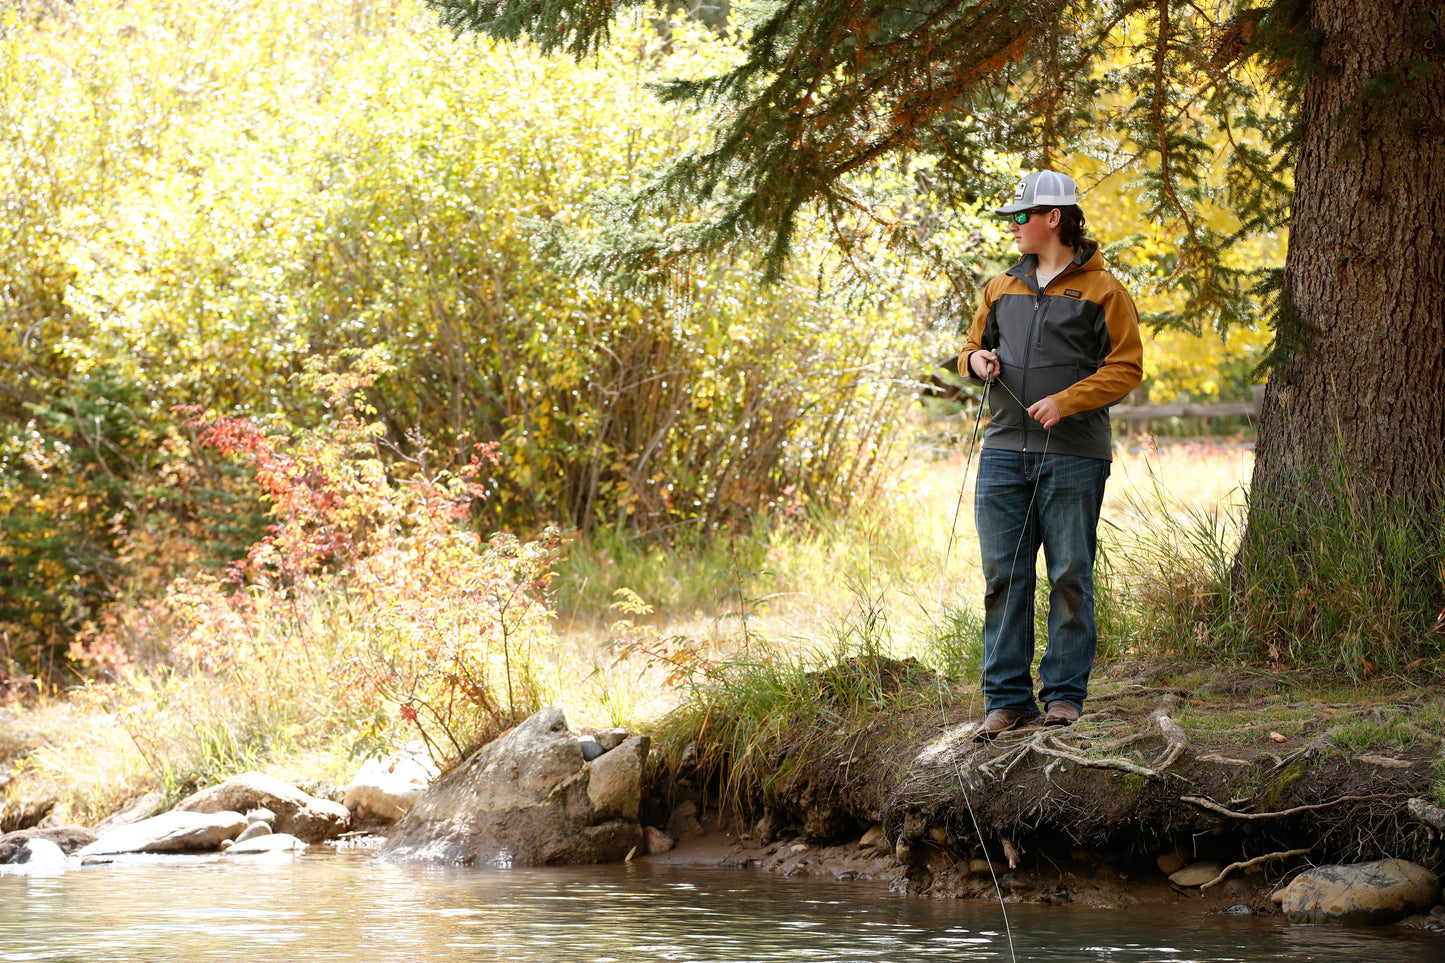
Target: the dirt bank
pixel 1248 779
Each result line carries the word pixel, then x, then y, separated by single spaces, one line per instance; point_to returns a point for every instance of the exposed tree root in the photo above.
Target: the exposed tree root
pixel 1246 864
pixel 1176 740
pixel 1213 806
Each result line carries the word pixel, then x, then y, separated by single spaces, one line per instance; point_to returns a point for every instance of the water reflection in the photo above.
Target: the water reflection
pixel 349 907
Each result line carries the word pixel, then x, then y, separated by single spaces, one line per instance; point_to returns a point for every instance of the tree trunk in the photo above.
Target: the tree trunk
pixel 1355 413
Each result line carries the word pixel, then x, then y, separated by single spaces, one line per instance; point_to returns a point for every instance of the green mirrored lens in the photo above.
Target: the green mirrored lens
pixel 1022 217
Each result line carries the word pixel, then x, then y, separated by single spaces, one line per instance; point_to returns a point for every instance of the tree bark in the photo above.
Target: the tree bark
pixel 1362 399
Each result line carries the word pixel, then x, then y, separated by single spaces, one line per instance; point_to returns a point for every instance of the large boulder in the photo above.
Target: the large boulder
pixel 299 813
pixel 528 799
pixel 172 832
pixel 1378 892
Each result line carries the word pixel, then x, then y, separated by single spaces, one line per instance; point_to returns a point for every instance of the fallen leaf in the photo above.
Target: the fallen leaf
pixel 1278 736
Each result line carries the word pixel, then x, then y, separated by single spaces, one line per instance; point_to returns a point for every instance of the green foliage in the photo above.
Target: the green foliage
pixel 1342 580
pixel 197 204
pixel 828 100
pixel 1332 582
pixel 370 586
pixel 750 720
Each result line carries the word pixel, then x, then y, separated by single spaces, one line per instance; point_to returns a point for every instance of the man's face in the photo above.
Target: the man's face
pixel 1039 230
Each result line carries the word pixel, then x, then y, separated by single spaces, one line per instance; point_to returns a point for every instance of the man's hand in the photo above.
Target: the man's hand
pixel 1045 411
pixel 984 364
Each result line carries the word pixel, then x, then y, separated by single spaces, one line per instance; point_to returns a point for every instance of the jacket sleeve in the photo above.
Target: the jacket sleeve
pixel 974 341
pixel 1123 367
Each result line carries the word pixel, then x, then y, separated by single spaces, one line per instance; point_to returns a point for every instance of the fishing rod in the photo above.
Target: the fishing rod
pixel 938 608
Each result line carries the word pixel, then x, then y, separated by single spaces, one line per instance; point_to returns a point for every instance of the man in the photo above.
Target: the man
pixel 1058 337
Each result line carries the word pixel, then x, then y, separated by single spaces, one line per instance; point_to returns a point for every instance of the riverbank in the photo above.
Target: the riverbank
pixel 1182 785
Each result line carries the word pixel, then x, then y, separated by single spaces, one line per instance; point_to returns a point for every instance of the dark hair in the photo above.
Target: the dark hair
pixel 1071 226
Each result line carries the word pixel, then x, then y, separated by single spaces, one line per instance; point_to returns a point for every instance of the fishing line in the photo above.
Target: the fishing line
pixel 942 703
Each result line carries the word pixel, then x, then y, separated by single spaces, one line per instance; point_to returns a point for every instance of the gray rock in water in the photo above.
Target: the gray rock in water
pixel 267 843
pixel 68 838
pixel 298 813
pixel 261 816
pixel 1380 892
pixel 525 799
pixel 254 829
pixel 590 747
pixel 172 832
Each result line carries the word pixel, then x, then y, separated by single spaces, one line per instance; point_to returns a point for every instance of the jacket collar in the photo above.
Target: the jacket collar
pixel 1086 258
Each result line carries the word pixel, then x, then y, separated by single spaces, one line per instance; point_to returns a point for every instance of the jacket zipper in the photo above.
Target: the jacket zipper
pixel 1035 331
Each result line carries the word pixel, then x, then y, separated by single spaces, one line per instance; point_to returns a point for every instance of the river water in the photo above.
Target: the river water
pixel 349 906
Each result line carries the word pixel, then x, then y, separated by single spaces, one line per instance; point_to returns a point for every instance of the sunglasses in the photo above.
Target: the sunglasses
pixel 1022 217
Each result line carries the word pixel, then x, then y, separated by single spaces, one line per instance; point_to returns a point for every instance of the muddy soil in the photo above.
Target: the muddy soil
pixel 1247 779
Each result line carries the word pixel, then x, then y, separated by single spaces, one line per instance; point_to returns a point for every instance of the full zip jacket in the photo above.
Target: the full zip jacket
pixel 1077 341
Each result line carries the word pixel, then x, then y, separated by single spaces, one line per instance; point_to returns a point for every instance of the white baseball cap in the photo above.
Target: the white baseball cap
pixel 1041 189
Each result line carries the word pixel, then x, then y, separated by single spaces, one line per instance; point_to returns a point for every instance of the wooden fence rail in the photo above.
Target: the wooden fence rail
pixel 1217 409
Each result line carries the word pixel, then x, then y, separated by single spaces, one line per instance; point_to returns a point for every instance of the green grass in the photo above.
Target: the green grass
pixel 775 638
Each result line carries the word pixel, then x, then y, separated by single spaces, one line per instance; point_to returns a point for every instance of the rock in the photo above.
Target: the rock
pixel 1420 921
pixel 610 739
pixel 614 782
pixel 172 832
pixel 298 813
pixel 590 747
pixel 268 843
pixel 1380 892
pixel 1197 874
pixel 384 789
pixel 980 867
pixel 68 838
pixel 132 812
pixel 873 838
pixel 525 799
pixel 1171 862
pixel 914 826
pixel 1239 909
pixel 683 823
pixel 1427 813
pixel 656 841
pixel 799 848
pixel 254 829
pixel 40 851
pixel 261 816
pixel 938 834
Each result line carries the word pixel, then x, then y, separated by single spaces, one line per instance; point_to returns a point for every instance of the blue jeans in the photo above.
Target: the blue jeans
pixel 1022 502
